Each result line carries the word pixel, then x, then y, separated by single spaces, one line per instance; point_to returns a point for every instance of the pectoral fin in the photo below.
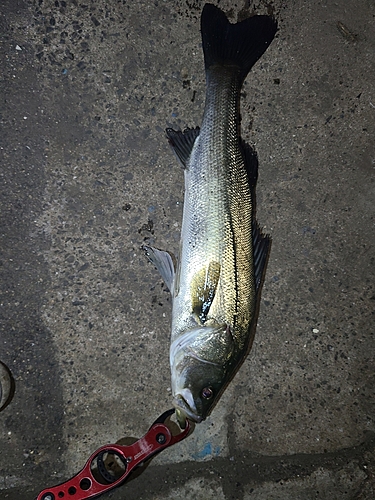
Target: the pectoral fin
pixel 164 262
pixel 203 289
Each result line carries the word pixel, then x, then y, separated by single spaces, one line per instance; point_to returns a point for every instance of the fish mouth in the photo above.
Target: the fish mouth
pixel 184 411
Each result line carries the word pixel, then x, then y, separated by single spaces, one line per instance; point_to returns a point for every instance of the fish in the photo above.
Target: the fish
pixel 216 279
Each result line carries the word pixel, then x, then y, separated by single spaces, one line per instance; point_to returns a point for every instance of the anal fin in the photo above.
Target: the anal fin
pixel 182 143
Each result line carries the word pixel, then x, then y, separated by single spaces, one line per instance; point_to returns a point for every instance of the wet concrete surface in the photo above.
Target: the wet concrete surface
pixel 87 177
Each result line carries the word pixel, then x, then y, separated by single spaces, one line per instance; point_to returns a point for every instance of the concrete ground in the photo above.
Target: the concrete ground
pixel 87 89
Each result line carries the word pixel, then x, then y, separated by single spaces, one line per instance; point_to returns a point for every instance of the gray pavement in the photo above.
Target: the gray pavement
pixel 87 89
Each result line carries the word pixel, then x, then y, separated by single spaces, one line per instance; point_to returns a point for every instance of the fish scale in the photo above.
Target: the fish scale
pixel 217 187
pixel 215 285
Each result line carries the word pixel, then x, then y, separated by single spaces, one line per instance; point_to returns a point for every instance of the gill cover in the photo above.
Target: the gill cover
pixel 200 362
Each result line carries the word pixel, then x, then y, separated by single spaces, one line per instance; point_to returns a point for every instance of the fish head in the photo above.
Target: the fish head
pixel 200 367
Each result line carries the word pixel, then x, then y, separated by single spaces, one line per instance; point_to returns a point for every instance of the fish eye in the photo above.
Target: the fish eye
pixel 207 393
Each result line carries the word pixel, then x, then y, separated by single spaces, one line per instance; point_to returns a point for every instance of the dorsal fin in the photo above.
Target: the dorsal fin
pixel 261 250
pixel 251 164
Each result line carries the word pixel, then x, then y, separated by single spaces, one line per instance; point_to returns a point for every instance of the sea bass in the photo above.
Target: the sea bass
pixel 216 279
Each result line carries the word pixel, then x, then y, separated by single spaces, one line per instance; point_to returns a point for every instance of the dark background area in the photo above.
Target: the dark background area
pixel 87 89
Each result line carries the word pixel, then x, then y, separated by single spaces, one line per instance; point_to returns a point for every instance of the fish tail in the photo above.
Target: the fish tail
pixel 239 45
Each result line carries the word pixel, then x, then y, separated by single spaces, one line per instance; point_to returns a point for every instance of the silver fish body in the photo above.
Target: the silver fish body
pixel 222 252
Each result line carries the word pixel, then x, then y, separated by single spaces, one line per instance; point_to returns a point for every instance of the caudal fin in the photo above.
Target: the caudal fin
pixel 240 44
